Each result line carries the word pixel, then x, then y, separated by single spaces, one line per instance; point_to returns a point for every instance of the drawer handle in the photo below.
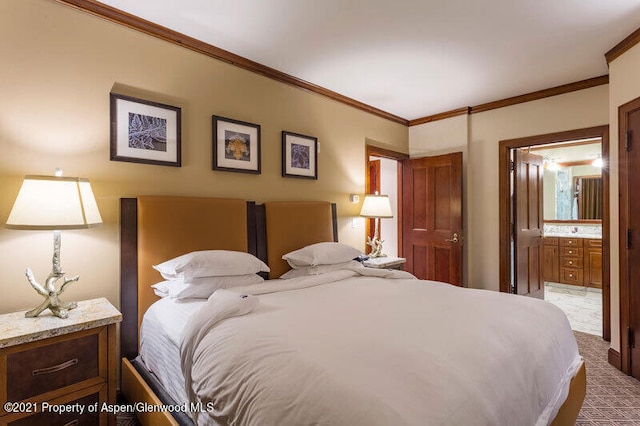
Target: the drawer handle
pixel 55 368
pixel 571 275
pixel 570 262
pixel 72 423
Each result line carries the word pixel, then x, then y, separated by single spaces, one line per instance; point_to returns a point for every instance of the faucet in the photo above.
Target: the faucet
pixel 574 230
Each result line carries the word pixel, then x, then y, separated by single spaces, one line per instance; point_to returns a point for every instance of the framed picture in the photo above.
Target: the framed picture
pixel 145 132
pixel 299 156
pixel 236 145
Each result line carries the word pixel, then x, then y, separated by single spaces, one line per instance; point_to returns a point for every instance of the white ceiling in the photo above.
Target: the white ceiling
pixel 411 58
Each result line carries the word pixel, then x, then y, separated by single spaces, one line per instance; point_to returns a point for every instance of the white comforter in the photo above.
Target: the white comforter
pixel 346 349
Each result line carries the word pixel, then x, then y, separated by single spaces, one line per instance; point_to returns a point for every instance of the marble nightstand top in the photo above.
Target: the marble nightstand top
pixel 15 329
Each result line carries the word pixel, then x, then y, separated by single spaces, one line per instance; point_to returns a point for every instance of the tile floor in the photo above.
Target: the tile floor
pixel 582 305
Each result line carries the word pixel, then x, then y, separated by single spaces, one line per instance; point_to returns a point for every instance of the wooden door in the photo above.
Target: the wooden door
pixel 629 123
pixel 432 217
pixel 373 187
pixel 551 260
pixel 528 224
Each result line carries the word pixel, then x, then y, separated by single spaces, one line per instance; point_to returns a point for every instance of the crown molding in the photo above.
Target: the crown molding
pixel 540 94
pixel 620 48
pixel 440 116
pixel 119 17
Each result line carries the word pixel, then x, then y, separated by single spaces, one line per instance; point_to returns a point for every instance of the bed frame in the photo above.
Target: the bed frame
pixel 157 228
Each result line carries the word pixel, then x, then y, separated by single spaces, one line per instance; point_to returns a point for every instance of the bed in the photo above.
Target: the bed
pixel 269 231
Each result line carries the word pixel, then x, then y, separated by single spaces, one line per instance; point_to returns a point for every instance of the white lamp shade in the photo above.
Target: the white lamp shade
pixel 54 203
pixel 376 206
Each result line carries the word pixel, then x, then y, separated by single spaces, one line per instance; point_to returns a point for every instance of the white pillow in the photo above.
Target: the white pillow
pixel 304 271
pixel 202 288
pixel 161 289
pixel 321 254
pixel 211 263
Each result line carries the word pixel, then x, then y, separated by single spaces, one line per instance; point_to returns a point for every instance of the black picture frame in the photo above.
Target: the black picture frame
pixel 235 145
pixel 145 132
pixel 299 156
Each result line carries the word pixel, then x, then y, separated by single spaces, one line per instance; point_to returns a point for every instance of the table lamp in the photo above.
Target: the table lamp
pixel 53 203
pixel 376 207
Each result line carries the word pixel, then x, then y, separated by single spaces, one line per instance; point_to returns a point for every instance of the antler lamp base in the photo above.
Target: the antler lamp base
pixel 48 290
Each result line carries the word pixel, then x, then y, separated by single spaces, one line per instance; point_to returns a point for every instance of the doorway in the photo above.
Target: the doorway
pixel 384 176
pixel 572 243
pixel 528 258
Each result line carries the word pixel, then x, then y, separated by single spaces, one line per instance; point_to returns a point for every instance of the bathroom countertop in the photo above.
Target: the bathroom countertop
pixel 572 235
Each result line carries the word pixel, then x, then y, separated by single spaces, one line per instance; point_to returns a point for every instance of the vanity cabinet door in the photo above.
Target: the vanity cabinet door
pixel 593 263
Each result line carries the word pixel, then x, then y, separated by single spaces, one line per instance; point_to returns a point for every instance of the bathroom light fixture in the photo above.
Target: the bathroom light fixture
pixel 553 166
pixel 550 164
pixel 598 162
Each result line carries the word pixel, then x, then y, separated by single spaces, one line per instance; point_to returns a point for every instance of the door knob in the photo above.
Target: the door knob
pixel 454 239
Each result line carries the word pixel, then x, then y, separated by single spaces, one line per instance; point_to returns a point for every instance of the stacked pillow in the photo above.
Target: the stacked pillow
pixel 198 274
pixel 320 258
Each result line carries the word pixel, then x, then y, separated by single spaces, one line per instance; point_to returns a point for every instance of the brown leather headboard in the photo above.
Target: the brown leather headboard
pixel 167 227
pixel 291 225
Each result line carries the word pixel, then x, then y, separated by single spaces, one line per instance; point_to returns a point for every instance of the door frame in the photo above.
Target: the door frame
pixel 374 151
pixel 505 146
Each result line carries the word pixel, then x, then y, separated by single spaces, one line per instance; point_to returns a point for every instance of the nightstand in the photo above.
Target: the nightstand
pixel 48 362
pixel 385 263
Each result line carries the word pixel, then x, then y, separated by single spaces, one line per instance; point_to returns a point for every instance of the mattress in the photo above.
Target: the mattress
pixel 160 332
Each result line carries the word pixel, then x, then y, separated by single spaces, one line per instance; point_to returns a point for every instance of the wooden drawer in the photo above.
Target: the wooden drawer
pixel 550 241
pixel 85 398
pixel 571 276
pixel 571 251
pixel 50 367
pixel 593 243
pixel 571 242
pixel 571 262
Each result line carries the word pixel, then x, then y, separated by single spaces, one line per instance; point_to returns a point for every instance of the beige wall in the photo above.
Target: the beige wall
pixel 624 86
pixel 58 68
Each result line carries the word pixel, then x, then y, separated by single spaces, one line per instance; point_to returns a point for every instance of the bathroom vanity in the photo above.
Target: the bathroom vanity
pixel 572 259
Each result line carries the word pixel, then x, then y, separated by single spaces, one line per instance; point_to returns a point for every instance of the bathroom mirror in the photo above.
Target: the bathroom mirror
pixel 573 194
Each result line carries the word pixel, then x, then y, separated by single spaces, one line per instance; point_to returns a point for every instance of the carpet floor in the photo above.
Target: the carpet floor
pixel 613 398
